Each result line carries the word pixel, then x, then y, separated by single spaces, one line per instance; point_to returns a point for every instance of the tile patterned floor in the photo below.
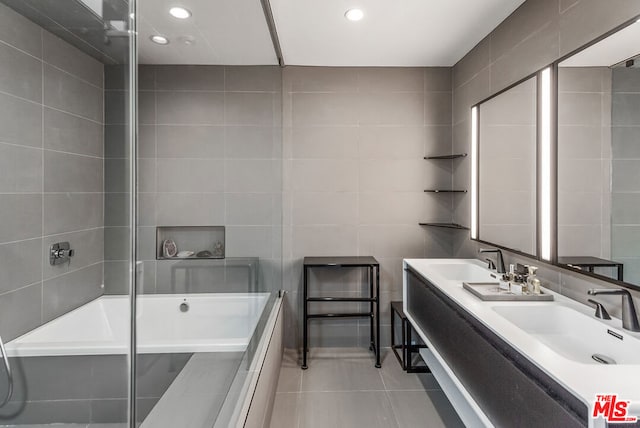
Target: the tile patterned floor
pixel 343 389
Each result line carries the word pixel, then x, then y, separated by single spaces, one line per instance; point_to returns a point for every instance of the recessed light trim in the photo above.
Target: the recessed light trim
pixel 187 40
pixel 180 12
pixel 354 14
pixel 159 40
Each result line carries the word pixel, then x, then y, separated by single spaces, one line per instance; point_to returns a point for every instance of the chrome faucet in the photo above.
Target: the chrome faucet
pixel 499 259
pixel 629 316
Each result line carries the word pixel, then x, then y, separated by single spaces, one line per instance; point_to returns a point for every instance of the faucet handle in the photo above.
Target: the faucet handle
pixel 492 265
pixel 601 312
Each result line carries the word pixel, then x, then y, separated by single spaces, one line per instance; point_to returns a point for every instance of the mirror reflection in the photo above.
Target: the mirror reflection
pixel 599 158
pixel 507 168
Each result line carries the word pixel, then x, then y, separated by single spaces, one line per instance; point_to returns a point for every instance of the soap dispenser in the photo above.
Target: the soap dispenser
pixel 532 281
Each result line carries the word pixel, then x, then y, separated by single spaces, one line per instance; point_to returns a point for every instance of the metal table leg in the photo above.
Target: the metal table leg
pixel 306 319
pixel 378 317
pixel 371 335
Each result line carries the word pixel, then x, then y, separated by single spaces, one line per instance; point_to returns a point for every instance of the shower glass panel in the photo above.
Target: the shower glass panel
pixel 65 262
pixel 209 208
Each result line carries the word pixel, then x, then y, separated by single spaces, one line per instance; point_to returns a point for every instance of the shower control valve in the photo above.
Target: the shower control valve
pixel 60 253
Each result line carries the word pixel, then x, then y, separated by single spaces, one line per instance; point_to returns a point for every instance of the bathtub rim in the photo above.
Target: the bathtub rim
pixel 120 346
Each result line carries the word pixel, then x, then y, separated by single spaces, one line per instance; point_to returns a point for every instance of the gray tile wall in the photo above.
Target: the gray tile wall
pixel 51 122
pixel 209 154
pixel 625 220
pixel 584 162
pixel 536 34
pixel 354 180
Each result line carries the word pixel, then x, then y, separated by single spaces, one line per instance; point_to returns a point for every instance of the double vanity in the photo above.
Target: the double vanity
pixel 517 363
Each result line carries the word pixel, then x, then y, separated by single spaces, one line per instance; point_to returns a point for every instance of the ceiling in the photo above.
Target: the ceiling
pixel 315 32
pixel 610 51
pixel 231 32
pixel 392 33
pixel 310 32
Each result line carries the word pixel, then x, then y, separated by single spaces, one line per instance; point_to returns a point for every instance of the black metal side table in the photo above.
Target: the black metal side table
pixel 373 267
pixel 407 347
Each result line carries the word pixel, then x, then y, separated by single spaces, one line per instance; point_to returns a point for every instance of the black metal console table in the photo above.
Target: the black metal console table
pixel 589 263
pixel 373 299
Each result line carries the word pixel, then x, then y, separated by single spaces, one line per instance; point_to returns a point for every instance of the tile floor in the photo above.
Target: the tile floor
pixel 343 389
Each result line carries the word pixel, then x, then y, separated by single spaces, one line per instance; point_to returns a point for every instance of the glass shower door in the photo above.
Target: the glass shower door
pixel 65 121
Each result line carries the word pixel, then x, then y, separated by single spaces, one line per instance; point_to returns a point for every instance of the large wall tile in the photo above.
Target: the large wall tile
pixel 21 216
pixel 190 175
pixel 589 19
pixel 340 240
pixel 73 134
pixel 328 142
pixel 72 173
pixel 21 264
pixel 251 142
pixel 252 175
pixel 68 58
pixel 531 17
pixel 20 169
pixel 250 209
pixel 324 109
pixel 325 175
pixel 190 108
pixel 398 241
pixel 408 142
pixel 66 212
pixel 315 208
pixel 190 141
pixel 22 74
pixel 20 32
pixel 20 121
pixel 391 79
pixel 249 108
pixel 393 108
pixel 189 78
pixel 321 79
pixel 68 93
pixel 190 209
pixel 65 293
pixel 253 78
pixel 20 311
pixel 392 175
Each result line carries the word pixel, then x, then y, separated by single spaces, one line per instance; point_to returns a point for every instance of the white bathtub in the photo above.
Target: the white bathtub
pixel 220 322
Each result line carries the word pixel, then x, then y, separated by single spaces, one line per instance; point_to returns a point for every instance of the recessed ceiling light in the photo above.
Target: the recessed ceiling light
pixel 354 14
pixel 180 12
pixel 160 40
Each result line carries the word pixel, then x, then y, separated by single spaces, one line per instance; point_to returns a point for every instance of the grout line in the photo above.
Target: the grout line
pixel 393 411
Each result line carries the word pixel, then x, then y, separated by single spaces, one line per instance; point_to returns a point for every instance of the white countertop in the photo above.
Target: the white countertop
pixel 584 381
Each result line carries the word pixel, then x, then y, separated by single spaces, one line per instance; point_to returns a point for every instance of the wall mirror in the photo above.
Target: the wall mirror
pixel 506 162
pixel 598 228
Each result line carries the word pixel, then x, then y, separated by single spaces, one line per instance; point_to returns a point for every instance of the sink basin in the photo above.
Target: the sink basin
pixel 572 334
pixel 464 272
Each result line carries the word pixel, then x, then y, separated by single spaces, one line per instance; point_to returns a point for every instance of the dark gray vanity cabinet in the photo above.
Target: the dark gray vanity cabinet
pixel 511 391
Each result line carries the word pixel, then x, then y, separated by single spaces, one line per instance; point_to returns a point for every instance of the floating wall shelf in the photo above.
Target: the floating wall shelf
pixel 446 225
pixel 456 156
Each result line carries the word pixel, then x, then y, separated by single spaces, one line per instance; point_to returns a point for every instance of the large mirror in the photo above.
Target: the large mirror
pixel 506 151
pixel 599 158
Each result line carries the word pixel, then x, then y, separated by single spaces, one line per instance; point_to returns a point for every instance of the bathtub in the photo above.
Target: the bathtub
pixel 166 323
